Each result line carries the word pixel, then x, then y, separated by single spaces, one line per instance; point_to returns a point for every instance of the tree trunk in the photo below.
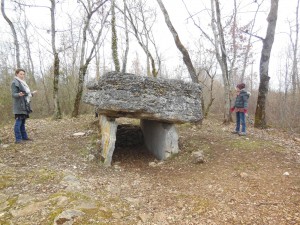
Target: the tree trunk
pixel 209 104
pixel 139 36
pixel 127 40
pixel 260 114
pixel 82 73
pixel 221 57
pixel 57 111
pixel 245 59
pixel 84 64
pixel 83 67
pixel 97 59
pixel 232 64
pixel 186 57
pixel 29 55
pixel 114 41
pixel 16 42
pixel 295 55
pixel 45 87
pixel 227 99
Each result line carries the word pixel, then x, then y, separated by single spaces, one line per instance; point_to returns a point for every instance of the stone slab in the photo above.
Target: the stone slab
pixel 161 139
pixel 108 138
pixel 129 95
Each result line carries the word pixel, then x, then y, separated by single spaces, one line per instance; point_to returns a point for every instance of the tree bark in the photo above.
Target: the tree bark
pixel 114 41
pixel 186 57
pixel 295 55
pixel 56 61
pixel 221 57
pixel 206 109
pixel 232 62
pixel 127 40
pixel 29 55
pixel 13 30
pixel 260 114
pixel 84 63
pixel 134 20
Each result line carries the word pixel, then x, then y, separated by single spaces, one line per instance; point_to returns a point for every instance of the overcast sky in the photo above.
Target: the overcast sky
pixel 187 31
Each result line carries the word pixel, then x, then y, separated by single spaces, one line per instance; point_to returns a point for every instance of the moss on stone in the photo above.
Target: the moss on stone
pixel 201 205
pixel 251 145
pixel 53 214
pixel 44 175
pixel 6 181
pixel 12 201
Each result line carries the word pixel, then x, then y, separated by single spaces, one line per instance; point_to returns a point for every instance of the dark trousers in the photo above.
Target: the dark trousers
pixel 20 130
pixel 240 120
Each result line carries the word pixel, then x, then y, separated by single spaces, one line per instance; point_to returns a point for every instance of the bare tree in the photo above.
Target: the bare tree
pixel 98 44
pixel 90 9
pixel 13 30
pixel 210 87
pixel 248 46
pixel 126 38
pixel 206 67
pixel 186 57
pixel 46 95
pixel 57 111
pixel 260 114
pixel 141 21
pixel 29 58
pixel 294 44
pixel 114 38
pixel 232 62
pixel 218 41
pixel 221 56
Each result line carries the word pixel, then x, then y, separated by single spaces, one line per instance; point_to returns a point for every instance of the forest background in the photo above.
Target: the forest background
pixel 62 45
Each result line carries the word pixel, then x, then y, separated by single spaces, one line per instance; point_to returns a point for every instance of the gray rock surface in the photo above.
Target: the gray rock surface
pixel 67 217
pixel 129 95
pixel 198 157
pixel 160 138
pixel 108 138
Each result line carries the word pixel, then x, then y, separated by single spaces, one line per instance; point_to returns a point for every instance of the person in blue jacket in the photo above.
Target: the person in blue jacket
pixel 241 109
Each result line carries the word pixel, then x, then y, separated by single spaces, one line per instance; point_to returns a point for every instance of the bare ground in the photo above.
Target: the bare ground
pixel 245 180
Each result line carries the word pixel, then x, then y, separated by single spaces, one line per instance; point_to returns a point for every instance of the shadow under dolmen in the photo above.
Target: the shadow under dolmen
pixel 158 103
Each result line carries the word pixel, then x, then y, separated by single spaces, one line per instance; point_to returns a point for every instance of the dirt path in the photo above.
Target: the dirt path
pixel 245 180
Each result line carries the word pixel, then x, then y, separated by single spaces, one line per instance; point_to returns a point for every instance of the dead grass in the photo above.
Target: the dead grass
pixel 242 181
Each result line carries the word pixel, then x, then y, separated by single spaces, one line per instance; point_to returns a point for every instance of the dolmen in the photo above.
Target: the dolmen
pixel 158 103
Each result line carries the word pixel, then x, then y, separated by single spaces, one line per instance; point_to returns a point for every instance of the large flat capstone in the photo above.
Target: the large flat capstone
pixel 129 95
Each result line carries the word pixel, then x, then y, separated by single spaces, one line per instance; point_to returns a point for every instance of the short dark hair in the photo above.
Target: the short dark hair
pixel 241 86
pixel 19 70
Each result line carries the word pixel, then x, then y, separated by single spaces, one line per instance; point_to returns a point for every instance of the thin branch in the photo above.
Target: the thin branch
pixel 192 18
pixel 27 5
pixel 253 35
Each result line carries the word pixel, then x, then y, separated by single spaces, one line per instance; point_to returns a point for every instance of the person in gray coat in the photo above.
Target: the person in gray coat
pixel 21 95
pixel 241 109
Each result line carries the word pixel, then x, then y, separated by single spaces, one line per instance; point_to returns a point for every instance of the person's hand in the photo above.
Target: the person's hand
pixel 246 111
pixel 21 94
pixel 231 109
pixel 33 92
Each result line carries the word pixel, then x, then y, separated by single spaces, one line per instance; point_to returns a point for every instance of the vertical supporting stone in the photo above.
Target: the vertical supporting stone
pixel 108 127
pixel 160 138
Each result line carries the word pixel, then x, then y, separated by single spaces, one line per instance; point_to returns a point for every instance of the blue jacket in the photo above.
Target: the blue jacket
pixel 241 100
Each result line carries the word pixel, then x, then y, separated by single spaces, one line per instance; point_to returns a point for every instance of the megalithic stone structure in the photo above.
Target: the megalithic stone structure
pixel 158 103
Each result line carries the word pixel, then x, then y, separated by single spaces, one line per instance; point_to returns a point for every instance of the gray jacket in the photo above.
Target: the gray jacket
pixel 241 100
pixel 19 102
